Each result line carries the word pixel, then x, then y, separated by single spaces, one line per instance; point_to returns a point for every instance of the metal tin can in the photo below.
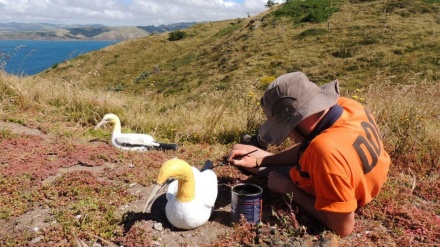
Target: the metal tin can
pixel 247 200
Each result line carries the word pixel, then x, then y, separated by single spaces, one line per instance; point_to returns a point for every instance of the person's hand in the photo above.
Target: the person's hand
pixel 238 158
pixel 279 183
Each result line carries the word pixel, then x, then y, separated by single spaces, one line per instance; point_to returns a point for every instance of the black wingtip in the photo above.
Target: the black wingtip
pixel 207 166
pixel 168 146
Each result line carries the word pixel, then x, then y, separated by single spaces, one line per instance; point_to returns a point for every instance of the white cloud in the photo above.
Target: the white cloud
pixel 126 12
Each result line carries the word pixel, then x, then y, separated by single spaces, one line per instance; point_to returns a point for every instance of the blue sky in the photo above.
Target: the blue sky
pixel 126 12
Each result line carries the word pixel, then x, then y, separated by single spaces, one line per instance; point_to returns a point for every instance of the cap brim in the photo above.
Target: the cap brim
pixel 275 133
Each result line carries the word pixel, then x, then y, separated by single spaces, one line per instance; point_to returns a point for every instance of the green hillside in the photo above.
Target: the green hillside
pixel 357 42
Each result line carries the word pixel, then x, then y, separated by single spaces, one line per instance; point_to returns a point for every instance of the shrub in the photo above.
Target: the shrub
pixel 315 11
pixel 144 75
pixel 269 4
pixel 176 35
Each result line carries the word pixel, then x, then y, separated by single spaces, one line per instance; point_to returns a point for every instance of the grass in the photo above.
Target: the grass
pixel 202 92
pixel 315 11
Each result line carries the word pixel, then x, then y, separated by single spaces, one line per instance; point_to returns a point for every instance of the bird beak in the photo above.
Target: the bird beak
pixel 100 124
pixel 157 187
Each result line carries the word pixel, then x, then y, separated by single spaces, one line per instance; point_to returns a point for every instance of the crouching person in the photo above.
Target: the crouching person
pixel 338 162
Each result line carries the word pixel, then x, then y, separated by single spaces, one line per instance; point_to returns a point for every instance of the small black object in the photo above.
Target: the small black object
pixel 162 146
pixel 207 166
pixel 252 140
pixel 168 146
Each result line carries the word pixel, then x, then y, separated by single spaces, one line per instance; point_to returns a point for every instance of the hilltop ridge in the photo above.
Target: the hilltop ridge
pixel 49 31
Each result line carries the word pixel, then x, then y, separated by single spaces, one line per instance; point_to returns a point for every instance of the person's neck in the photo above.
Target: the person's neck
pixel 316 119
pixel 323 120
pixel 307 126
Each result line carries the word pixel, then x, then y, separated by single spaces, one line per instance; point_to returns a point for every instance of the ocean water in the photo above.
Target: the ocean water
pixel 29 57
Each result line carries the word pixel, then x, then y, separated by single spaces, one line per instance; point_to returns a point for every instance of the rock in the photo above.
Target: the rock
pixel 158 226
pixel 37 240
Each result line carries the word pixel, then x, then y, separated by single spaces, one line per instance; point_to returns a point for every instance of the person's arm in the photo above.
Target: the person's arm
pixel 341 223
pixel 261 158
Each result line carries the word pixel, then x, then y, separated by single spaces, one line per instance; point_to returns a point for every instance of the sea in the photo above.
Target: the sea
pixel 30 57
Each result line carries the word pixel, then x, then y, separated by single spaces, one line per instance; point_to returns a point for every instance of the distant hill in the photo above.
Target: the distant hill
pixel 48 31
pixel 166 28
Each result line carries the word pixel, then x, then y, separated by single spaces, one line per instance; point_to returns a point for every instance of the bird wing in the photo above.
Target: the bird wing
pixel 207 186
pixel 133 140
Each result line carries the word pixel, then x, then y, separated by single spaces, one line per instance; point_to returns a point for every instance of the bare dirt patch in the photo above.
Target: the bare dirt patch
pixel 20 129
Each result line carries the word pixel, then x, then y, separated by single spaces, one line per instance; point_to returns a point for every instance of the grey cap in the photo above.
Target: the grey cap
pixel 291 98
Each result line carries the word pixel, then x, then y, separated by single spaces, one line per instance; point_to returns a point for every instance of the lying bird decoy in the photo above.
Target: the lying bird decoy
pixel 191 196
pixel 132 141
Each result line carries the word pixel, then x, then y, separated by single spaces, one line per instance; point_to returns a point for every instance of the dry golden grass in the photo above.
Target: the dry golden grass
pixel 207 117
pixel 409 114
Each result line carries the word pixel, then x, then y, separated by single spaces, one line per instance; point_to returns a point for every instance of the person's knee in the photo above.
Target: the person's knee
pixel 341 223
pixel 344 232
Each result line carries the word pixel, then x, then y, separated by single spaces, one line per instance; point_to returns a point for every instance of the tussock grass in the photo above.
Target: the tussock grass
pixel 408 112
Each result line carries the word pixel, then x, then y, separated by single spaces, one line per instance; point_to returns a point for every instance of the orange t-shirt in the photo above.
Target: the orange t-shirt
pixel 345 165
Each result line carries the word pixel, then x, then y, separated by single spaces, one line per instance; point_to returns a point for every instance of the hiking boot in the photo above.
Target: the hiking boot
pixel 252 140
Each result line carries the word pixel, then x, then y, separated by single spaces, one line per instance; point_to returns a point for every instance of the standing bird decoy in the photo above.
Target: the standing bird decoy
pixel 191 196
pixel 132 141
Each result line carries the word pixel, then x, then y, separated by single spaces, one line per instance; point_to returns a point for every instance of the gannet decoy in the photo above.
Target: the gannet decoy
pixel 191 196
pixel 132 141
